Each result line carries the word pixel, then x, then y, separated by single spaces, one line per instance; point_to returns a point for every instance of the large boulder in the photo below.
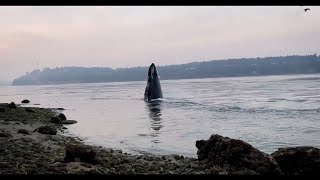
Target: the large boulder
pixel 25 101
pixel 235 155
pixel 80 152
pixel 12 105
pixel 301 160
pixel 51 130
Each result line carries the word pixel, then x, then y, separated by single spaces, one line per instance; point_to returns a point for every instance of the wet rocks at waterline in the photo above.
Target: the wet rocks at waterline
pixel 61 119
pixel 298 160
pixel 235 155
pixel 25 101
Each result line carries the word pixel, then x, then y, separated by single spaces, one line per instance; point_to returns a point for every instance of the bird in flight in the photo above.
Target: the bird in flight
pixel 307 9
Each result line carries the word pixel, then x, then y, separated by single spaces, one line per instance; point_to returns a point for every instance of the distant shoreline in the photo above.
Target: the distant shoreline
pixel 166 79
pixel 244 67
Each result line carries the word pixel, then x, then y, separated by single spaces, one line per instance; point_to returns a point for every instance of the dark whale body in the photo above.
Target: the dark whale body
pixel 153 89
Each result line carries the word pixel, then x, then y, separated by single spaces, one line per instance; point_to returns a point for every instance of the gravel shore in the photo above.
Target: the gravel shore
pixel 24 151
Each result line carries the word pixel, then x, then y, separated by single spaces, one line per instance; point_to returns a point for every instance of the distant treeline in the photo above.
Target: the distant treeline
pixel 294 64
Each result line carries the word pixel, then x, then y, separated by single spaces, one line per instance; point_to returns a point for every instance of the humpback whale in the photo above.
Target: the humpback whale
pixel 153 90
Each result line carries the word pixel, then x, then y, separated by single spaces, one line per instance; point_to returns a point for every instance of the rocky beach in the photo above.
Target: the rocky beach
pixel 32 142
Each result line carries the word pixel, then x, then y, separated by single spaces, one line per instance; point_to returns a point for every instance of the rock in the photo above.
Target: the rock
pixel 124 161
pixel 108 150
pixel 60 160
pixel 93 171
pixel 5 134
pixel 24 131
pixel 2 110
pixel 177 157
pixel 47 130
pixel 29 110
pixel 301 160
pixel 223 173
pixel 235 154
pixel 68 122
pixel 83 152
pixel 25 101
pixel 56 120
pixel 86 165
pixel 64 128
pixel 118 151
pixel 62 117
pixel 12 105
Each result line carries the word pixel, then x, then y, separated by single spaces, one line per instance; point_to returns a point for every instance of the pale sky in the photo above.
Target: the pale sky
pixel 118 36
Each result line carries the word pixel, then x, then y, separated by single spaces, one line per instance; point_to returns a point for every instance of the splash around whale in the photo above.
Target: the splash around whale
pixel 158 100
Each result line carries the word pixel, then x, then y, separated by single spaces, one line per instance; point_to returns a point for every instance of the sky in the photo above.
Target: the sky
pixel 35 37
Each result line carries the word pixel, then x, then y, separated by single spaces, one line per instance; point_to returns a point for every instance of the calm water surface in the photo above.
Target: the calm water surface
pixel 268 112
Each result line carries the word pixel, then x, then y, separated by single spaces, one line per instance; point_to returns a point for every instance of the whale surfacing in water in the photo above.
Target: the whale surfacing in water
pixel 153 90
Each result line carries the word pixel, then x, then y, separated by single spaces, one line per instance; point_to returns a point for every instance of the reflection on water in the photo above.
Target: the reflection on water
pixel 155 119
pixel 155 115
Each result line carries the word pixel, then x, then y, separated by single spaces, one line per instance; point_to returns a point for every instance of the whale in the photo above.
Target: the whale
pixel 153 89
